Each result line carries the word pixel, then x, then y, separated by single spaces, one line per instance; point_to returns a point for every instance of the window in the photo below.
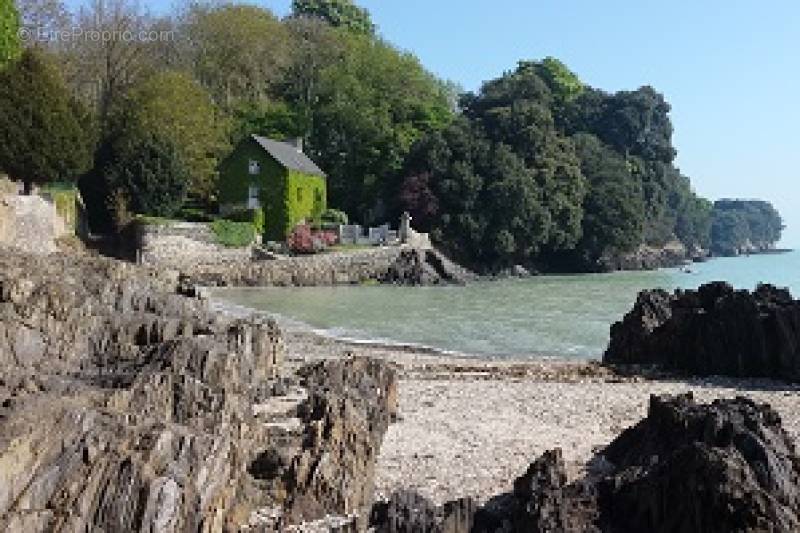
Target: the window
pixel 254 167
pixel 253 201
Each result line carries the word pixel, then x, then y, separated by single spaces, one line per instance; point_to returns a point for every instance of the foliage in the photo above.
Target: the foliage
pixel 233 234
pixel 10 47
pixel 251 216
pixel 65 197
pixel 275 120
pixel 150 173
pixel 46 133
pixel 742 225
pixel 304 200
pixel 333 217
pixel 300 240
pixel 172 106
pixel 338 13
pixel 613 207
pixel 237 51
pixel 372 106
pixel 501 185
pixel 304 240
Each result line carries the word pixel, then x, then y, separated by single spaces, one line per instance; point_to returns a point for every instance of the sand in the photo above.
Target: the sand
pixel 469 426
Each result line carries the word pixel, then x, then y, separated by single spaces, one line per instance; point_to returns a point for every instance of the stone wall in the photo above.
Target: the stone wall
pixel 388 264
pixel 332 268
pixel 183 245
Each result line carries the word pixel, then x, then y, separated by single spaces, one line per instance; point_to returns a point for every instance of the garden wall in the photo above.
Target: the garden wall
pixel 184 245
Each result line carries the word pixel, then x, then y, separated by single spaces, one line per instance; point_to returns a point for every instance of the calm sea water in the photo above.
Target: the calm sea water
pixel 566 316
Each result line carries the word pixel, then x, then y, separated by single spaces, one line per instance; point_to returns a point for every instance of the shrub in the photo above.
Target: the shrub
pixel 304 240
pixel 152 175
pixel 233 234
pixel 253 216
pixel 333 216
pixel 300 240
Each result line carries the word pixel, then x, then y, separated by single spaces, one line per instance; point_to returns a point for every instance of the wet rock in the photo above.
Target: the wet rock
pixel 713 330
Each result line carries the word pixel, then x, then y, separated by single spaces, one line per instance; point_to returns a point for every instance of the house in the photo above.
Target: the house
pixel 276 177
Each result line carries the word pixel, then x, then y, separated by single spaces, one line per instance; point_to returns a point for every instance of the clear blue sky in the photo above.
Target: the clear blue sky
pixel 730 69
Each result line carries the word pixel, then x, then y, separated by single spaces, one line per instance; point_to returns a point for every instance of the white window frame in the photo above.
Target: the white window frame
pixel 253 199
pixel 254 168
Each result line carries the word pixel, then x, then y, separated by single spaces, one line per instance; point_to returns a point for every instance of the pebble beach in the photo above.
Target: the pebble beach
pixel 468 426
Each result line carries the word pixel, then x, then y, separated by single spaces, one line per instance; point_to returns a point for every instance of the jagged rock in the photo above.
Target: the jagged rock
pixel 125 406
pixel 716 468
pixel 414 266
pixel 713 330
pixel 409 512
pixel 726 466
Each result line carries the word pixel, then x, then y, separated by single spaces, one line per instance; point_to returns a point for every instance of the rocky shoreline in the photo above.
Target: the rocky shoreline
pixel 165 415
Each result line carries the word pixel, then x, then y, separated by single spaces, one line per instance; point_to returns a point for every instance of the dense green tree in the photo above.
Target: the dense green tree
pixel 637 123
pixel 338 13
pixel 236 51
pixel 743 226
pixel 276 120
pixel 372 105
pixel 175 108
pixel 729 232
pixel 10 47
pixel 150 173
pixel 613 210
pixel 517 192
pixel 45 134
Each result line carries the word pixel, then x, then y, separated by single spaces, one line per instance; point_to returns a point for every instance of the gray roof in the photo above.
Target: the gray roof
pixel 289 156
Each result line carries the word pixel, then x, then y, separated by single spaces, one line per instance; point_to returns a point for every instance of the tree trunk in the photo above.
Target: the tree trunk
pixel 27 188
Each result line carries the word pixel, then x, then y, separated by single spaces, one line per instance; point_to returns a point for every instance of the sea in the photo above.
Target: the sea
pixel 564 316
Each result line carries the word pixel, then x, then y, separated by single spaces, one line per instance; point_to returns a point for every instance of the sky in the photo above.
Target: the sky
pixel 729 68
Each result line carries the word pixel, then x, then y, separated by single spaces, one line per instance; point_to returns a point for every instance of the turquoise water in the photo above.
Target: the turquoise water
pixel 565 316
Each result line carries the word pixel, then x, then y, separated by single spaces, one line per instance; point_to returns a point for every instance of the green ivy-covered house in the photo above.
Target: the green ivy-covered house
pixel 275 177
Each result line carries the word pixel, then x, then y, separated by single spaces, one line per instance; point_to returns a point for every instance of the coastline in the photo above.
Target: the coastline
pixel 468 424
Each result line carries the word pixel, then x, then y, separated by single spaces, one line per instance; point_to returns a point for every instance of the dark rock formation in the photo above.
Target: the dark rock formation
pixel 408 512
pixel 713 330
pixel 716 468
pixel 126 407
pixel 727 466
pixel 424 267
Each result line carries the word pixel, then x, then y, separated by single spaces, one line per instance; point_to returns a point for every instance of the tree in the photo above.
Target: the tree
pixel 9 33
pixel 102 71
pixel 237 52
pixel 744 225
pixel 372 105
pixel 613 210
pixel 176 109
pixel 46 134
pixel 150 174
pixel 338 13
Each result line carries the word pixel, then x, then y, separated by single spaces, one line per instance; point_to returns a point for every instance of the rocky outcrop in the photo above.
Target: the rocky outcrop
pixel 126 407
pixel 726 466
pixel 713 330
pixel 415 266
pixel 719 467
pixel 645 257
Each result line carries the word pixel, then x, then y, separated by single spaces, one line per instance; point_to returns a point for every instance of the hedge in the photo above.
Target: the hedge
pixel 233 234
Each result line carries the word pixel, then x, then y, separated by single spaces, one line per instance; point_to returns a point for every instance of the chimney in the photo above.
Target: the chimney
pixel 297 142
